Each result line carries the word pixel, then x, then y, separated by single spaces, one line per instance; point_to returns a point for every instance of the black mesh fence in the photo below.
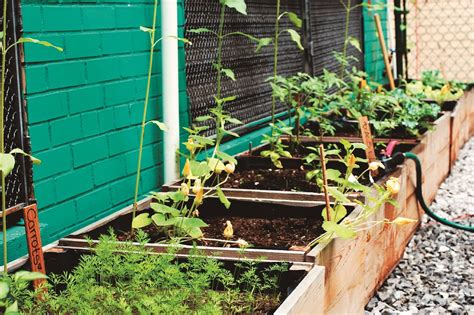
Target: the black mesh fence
pixel 324 30
pixel 327 20
pixel 440 36
pixel 18 183
pixel 251 69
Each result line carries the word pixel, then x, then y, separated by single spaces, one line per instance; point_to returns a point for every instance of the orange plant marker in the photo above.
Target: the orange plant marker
pixel 33 236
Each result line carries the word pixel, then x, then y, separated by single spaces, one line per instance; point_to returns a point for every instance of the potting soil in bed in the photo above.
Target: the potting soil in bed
pixel 274 233
pixel 272 179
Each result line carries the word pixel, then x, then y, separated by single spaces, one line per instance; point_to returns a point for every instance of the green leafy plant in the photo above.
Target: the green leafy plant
pixel 13 288
pixel 433 86
pixel 128 279
pixel 277 149
pixel 342 184
pixel 297 22
pixel 176 213
pixel 151 31
pixel 219 115
pixel 7 160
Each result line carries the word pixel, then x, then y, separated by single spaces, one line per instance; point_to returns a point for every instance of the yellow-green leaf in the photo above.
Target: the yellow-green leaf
pixel 39 42
pixel 7 163
pixel 296 38
pixel 338 229
pixel 141 220
pixel 223 198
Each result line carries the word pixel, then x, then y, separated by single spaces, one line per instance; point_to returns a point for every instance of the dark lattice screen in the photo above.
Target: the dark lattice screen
pixel 19 180
pixel 327 29
pixel 251 70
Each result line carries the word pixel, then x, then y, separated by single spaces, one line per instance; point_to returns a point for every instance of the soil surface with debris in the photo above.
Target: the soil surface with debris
pixel 436 274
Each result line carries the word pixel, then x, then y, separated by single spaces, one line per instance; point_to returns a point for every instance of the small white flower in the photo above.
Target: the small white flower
pixel 352 179
pixel 373 166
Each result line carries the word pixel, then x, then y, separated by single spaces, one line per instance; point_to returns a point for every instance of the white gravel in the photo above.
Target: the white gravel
pixel 436 274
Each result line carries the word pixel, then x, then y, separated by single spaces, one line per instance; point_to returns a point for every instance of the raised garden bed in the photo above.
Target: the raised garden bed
pixel 460 126
pixel 259 181
pixel 277 232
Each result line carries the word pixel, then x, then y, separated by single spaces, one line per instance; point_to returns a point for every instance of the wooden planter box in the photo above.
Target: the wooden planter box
pixel 469 99
pixel 355 269
pixel 300 198
pixel 460 127
pixel 344 274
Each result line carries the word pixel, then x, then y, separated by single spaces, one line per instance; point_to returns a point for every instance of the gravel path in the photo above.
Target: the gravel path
pixel 436 274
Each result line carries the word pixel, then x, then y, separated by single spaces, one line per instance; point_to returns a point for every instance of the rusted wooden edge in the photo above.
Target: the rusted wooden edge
pixel 141 205
pixel 13 209
pixel 221 253
pixel 290 198
pixel 327 139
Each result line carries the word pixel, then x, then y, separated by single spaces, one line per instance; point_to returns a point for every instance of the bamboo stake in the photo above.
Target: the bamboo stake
pixel 325 182
pixel 388 67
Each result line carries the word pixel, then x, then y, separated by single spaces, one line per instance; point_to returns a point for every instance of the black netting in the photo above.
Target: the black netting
pixel 251 70
pixel 19 180
pixel 327 30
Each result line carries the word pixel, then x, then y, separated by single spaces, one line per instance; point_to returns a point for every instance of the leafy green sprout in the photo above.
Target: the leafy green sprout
pixel 129 279
pixel 298 23
pixel 341 188
pixel 220 117
pixel 175 212
pixel 153 42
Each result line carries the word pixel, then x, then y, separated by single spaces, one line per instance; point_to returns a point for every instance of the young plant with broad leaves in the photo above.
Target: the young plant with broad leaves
pixel 346 187
pixel 7 160
pixel 295 37
pixel 218 114
pixel 433 86
pixel 153 43
pixel 176 213
pixel 277 149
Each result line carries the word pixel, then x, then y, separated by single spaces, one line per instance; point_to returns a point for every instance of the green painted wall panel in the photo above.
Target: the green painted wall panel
pixel 85 106
pixel 374 65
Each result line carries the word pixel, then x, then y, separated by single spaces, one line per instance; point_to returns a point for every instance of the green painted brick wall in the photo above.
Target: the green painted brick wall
pixel 374 65
pixel 85 108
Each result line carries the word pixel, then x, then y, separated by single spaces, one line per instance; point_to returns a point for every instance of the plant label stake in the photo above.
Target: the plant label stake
pixel 325 182
pixel 388 67
pixel 367 139
pixel 33 236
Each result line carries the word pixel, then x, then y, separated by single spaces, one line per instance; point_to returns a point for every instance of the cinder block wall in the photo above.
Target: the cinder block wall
pixel 85 107
pixel 374 65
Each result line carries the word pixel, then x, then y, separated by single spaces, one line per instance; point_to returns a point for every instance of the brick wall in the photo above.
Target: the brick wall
pixel 85 107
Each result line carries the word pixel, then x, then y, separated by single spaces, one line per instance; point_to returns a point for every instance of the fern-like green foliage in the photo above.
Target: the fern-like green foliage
pixel 121 279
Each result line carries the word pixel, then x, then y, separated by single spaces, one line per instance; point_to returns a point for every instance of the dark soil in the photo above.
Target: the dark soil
pixel 271 233
pixel 272 179
pixel 275 233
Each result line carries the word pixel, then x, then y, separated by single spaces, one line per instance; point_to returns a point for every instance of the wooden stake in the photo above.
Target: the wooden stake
pixel 388 67
pixel 33 235
pixel 325 182
pixel 364 126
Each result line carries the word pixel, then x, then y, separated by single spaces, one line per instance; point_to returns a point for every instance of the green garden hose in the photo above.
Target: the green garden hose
pixel 421 200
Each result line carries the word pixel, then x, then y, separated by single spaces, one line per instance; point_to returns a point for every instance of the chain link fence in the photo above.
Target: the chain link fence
pixel 440 35
pixel 19 181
